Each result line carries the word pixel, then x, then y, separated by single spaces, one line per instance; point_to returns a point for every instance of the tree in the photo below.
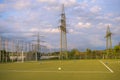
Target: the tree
pixel 117 48
pixel 74 53
pixel 88 53
pixel 117 51
pixel 77 54
pixel 71 54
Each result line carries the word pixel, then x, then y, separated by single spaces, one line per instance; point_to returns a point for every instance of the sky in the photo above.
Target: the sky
pixel 86 20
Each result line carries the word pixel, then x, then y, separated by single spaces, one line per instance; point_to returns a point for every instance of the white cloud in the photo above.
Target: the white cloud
pixel 48 45
pixel 117 19
pixel 108 24
pixel 57 4
pixel 34 30
pixel 109 14
pixel 105 17
pixel 2 7
pixel 65 2
pixel 68 2
pixel 54 30
pixel 79 18
pixel 45 30
pixel 23 15
pixel 102 17
pixel 84 25
pixel 93 1
pixel 108 17
pixel 47 1
pixel 50 30
pixel 97 41
pixel 21 4
pixel 49 8
pixel 116 31
pixel 95 9
pixel 103 25
pixel 82 5
pixel 71 30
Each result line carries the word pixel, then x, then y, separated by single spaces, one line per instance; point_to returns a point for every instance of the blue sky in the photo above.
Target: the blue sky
pixel 87 21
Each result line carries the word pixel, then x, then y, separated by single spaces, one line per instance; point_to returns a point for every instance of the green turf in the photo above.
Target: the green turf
pixel 70 70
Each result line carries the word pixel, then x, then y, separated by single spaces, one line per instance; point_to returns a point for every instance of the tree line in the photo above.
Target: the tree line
pixel 93 54
pixel 73 54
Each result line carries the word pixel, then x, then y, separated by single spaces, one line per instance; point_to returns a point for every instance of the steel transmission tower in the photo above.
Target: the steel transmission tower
pixel 38 47
pixel 108 40
pixel 63 37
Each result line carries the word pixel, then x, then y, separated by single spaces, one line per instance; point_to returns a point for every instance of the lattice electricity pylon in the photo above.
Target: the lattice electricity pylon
pixel 63 37
pixel 108 40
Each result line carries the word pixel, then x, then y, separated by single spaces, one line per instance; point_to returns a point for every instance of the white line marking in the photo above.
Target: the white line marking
pixel 107 66
pixel 56 71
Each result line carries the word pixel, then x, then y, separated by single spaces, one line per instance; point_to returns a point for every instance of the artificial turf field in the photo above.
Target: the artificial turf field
pixel 70 70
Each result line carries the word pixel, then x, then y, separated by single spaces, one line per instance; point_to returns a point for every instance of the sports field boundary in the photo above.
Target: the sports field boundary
pixel 35 71
pixel 106 66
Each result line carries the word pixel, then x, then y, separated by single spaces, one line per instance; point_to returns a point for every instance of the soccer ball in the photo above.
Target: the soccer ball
pixel 59 68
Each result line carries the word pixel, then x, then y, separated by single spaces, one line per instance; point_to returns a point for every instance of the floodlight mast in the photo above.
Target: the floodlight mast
pixel 63 37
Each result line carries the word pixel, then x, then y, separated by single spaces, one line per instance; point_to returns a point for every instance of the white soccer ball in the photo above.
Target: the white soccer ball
pixel 59 68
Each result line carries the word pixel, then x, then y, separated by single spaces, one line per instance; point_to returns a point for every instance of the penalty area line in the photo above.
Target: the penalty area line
pixel 106 66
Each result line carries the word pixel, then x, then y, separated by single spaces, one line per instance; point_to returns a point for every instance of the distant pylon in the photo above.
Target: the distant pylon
pixel 38 47
pixel 108 40
pixel 63 37
pixel 0 48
